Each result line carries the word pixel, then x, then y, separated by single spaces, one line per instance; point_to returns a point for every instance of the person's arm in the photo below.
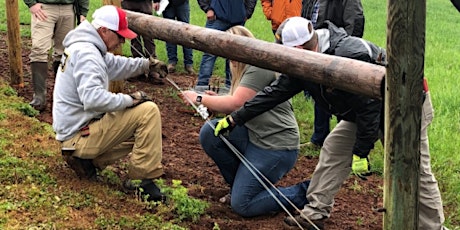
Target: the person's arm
pixel 279 91
pixel 250 5
pixel 267 8
pixel 368 112
pixel 222 104
pixel 353 18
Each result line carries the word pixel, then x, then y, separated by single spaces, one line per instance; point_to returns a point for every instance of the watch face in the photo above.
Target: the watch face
pixel 198 98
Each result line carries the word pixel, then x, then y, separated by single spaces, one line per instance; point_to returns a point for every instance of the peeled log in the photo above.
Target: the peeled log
pixel 338 72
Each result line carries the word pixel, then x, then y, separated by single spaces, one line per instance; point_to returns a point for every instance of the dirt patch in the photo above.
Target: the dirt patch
pixel 184 160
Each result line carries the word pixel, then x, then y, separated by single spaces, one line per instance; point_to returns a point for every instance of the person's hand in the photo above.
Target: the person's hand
pixel 156 6
pixel 37 12
pixel 157 66
pixel 360 167
pixel 210 15
pixel 224 125
pixel 139 97
pixel 189 97
pixel 82 18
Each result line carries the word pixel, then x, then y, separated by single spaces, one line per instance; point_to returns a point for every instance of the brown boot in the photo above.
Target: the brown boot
pixel 39 73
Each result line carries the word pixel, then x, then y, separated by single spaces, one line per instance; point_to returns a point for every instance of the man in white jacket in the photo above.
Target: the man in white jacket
pixel 95 126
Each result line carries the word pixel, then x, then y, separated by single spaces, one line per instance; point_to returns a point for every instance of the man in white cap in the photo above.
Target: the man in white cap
pixel 95 126
pixel 348 145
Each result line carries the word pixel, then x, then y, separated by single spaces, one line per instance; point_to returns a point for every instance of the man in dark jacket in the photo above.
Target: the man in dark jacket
pixel 350 142
pixel 221 15
pixel 347 14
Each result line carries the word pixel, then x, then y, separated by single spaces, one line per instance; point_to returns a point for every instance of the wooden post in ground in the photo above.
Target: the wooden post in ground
pixel 403 108
pixel 115 86
pixel 343 73
pixel 14 44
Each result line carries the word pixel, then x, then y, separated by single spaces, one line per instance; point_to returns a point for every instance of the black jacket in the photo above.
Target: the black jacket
pixel 343 13
pixel 364 111
pixel 229 10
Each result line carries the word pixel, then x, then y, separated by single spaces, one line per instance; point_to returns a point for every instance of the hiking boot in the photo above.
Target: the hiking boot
pixel 171 67
pixel 226 199
pixel 189 69
pixel 201 88
pixel 312 225
pixel 84 168
pixel 312 146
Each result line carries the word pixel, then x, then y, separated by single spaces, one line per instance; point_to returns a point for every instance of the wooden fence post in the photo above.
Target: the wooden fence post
pixel 403 108
pixel 14 43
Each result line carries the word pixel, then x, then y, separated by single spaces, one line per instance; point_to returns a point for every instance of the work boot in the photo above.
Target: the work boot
pixel 84 168
pixel 292 222
pixel 150 190
pixel 155 79
pixel 189 69
pixel 39 73
pixel 171 67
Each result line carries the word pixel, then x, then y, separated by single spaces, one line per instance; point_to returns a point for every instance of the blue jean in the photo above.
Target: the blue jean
pixel 322 126
pixel 179 13
pixel 208 60
pixel 248 196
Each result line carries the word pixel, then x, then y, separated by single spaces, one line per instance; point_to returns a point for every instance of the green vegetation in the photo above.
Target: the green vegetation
pixel 441 69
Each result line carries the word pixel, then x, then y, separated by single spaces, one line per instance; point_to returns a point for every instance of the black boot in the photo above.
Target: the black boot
pixel 149 188
pixel 39 73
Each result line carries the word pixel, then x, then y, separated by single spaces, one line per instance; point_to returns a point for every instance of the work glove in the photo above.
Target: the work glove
pixel 224 125
pixel 157 66
pixel 139 97
pixel 360 167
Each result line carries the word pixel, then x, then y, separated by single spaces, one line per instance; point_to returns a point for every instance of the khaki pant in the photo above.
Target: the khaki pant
pixel 117 134
pixel 334 166
pixel 51 32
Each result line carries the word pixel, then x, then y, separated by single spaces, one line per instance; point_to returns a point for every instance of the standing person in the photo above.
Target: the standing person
pixel 348 145
pixel 278 11
pixel 51 20
pixel 178 10
pixel 270 141
pixel 95 126
pixel 141 46
pixel 221 15
pixel 347 14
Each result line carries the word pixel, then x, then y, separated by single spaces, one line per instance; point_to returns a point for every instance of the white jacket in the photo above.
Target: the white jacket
pixel 81 88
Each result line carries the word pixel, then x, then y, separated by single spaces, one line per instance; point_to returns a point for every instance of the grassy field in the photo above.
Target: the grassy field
pixel 442 69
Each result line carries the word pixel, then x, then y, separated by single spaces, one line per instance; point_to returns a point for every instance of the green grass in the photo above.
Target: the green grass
pixel 442 69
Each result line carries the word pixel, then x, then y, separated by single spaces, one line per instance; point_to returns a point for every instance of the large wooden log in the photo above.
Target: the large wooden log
pixel 343 73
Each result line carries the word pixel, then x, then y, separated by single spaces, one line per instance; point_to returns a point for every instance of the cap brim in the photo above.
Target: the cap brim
pixel 127 33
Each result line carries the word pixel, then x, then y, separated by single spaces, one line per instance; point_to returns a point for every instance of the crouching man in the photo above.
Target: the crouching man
pixel 95 126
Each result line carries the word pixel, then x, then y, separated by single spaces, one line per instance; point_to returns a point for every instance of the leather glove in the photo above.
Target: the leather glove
pixel 360 166
pixel 223 125
pixel 157 66
pixel 139 97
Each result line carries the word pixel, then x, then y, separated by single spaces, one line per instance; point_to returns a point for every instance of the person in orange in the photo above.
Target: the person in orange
pixel 278 11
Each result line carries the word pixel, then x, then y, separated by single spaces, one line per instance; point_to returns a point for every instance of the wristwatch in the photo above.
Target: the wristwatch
pixel 198 99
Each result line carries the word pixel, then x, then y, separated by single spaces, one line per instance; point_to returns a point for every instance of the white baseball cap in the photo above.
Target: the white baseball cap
pixel 294 31
pixel 113 18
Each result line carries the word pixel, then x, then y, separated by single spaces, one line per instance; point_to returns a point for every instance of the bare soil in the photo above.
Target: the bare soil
pixel 184 160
